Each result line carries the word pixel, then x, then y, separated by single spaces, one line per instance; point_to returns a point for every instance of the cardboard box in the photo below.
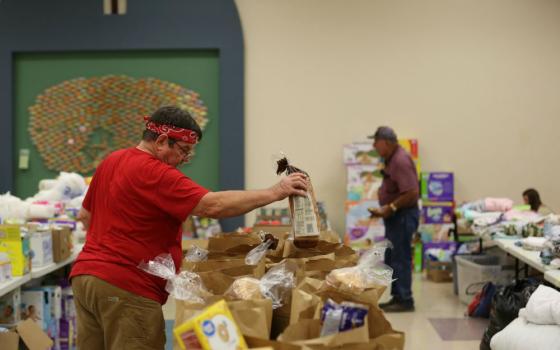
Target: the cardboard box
pixel 62 243
pixel 55 301
pixel 31 335
pixel 17 247
pixel 438 186
pixel 361 230
pixel 213 328
pixel 67 335
pixel 68 308
pixel 438 271
pixel 435 232
pixel 360 153
pixel 437 212
pixel 10 308
pixel 35 306
pixel 41 244
pixel 363 182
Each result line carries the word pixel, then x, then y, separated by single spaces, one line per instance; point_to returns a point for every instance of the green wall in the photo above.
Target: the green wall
pixel 193 69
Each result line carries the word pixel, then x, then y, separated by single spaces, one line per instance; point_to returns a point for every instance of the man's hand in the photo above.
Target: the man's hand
pixel 383 212
pixel 84 217
pixel 293 184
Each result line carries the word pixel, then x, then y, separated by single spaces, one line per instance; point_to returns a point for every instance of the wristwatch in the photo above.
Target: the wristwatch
pixel 393 207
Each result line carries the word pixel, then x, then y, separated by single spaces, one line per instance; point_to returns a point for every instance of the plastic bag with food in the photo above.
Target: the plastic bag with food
pixel 185 286
pixel 368 273
pixel 196 254
pixel 276 285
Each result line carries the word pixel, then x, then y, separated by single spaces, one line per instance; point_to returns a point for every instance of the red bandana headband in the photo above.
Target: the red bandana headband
pixel 173 132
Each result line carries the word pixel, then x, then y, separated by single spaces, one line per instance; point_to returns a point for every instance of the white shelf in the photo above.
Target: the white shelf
pixel 15 282
pixel 553 276
pixel 37 272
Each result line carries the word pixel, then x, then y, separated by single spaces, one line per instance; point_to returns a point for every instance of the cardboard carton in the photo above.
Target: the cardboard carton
pixel 17 247
pixel 30 333
pixel 439 271
pixel 437 212
pixel 41 247
pixel 10 308
pixel 213 328
pixel 437 186
pixel 62 243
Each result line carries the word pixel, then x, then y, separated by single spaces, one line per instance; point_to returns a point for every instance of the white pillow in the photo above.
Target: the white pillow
pixel 522 335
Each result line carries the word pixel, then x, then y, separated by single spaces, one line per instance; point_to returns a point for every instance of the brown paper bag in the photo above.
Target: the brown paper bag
pixel 257 343
pixel 217 282
pixel 305 301
pixel 212 264
pixel 234 243
pixel 323 249
pixel 254 317
pixel 378 324
pixel 230 267
pixel 307 333
pixel 280 320
pixel 241 244
pixel 391 341
pixel 330 236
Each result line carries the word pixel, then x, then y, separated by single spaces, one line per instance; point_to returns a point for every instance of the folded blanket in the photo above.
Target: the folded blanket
pixel 522 335
pixel 498 204
pixel 543 307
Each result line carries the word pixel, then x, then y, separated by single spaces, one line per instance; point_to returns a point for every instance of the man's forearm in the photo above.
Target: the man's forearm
pixel 406 200
pixel 233 203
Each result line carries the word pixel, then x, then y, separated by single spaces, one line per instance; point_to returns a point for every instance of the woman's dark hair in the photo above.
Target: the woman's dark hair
pixel 533 198
pixel 175 116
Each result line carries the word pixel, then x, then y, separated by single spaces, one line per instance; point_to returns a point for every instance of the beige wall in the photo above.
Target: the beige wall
pixel 477 82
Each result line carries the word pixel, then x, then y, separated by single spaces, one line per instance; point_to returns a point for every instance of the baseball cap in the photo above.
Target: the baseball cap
pixel 384 133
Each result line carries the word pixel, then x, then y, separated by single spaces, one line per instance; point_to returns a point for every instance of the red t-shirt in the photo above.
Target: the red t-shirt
pixel 137 204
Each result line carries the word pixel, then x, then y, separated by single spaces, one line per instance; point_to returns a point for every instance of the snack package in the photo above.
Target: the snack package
pixel 342 317
pixel 213 328
pixel 331 316
pixel 183 286
pixel 196 254
pixel 368 273
pixel 303 210
pixel 276 285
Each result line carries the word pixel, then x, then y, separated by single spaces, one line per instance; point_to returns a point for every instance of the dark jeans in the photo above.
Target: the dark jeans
pixel 399 229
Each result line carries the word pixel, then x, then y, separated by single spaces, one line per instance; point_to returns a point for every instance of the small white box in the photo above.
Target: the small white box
pixel 42 248
pixel 5 268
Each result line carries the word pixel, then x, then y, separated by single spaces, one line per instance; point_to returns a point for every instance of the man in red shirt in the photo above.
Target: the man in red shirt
pixel 133 212
pixel 398 197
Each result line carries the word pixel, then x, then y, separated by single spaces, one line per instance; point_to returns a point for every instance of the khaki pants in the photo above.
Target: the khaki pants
pixel 111 318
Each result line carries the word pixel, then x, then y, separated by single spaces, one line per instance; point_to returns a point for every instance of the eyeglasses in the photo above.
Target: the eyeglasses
pixel 186 152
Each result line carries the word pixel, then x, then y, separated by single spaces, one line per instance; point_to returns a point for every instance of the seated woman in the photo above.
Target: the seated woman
pixel 532 198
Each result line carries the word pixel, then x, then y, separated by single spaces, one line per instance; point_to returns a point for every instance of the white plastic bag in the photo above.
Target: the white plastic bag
pixel 276 285
pixel 196 254
pixel 183 286
pixel 368 273
pixel 257 253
